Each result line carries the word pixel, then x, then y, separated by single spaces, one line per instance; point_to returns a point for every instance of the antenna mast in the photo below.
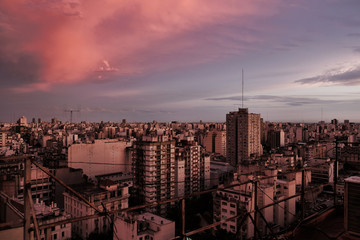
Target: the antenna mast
pixel 242 88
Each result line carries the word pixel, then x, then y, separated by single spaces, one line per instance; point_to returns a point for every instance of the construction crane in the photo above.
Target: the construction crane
pixel 71 112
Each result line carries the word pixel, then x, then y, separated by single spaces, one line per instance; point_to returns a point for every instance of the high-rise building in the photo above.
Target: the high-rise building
pixel 215 142
pixel 243 136
pixel 154 170
pixel 2 139
pixel 192 171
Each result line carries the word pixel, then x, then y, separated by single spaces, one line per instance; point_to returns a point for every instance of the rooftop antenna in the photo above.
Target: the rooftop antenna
pixel 71 112
pixel 242 88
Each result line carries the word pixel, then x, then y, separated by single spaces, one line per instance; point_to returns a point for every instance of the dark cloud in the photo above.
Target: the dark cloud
pixel 288 100
pixel 19 69
pixel 350 77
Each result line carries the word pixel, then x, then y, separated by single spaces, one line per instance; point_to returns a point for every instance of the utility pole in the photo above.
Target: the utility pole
pixel 336 169
pixel 27 206
pixel 183 219
pixel 303 194
pixel 255 207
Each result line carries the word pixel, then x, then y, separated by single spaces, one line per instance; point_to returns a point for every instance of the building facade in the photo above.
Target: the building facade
pixel 243 136
pixel 154 171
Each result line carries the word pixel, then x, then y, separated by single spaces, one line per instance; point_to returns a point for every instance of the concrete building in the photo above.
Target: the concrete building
pixel 231 202
pixel 322 170
pixel 69 176
pixel 12 181
pixel 286 212
pixel 192 172
pixel 351 205
pixel 107 193
pixel 215 142
pixel 14 212
pixel 2 139
pixel 22 121
pixel 221 173
pixel 112 154
pixel 145 226
pixel 243 137
pixel 154 170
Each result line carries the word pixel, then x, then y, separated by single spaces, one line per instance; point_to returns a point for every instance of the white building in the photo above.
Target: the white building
pixel 112 153
pixel 145 226
pixel 286 215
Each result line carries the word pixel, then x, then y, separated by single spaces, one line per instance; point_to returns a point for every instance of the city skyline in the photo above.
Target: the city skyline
pixel 168 61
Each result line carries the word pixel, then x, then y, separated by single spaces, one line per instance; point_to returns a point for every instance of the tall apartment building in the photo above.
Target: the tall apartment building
pixel 243 136
pixel 154 170
pixel 215 142
pixel 192 172
pixel 2 139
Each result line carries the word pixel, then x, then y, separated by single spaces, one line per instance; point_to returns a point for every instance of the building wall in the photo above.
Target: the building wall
pixel 154 170
pixel 104 151
pixel 78 208
pixel 243 137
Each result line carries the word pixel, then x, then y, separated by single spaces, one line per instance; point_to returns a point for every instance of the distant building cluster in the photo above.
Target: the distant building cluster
pixel 120 165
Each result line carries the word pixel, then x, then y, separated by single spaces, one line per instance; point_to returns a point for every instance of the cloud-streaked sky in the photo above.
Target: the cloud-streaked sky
pixel 179 60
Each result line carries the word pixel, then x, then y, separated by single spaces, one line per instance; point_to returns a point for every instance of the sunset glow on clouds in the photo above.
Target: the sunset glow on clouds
pixel 150 55
pixel 71 40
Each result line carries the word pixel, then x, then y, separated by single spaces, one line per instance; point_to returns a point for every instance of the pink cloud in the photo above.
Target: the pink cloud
pixel 74 40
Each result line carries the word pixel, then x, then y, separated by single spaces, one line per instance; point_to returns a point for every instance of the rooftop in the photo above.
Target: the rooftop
pixel 154 218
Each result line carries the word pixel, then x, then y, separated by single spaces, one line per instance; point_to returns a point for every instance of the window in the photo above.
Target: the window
pixel 55 236
pixel 63 234
pixel 52 228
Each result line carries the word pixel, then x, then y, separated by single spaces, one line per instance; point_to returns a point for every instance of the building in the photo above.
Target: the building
pixel 231 202
pixel 106 194
pixel 154 171
pixel 22 121
pixel 112 153
pixel 14 212
pixel 243 137
pixel 276 139
pixel 351 205
pixel 12 181
pixel 145 226
pixel 2 139
pixel 285 213
pixel 322 170
pixel 215 142
pixel 192 171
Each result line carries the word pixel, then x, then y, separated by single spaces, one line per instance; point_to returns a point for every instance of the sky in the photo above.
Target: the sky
pixel 168 60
